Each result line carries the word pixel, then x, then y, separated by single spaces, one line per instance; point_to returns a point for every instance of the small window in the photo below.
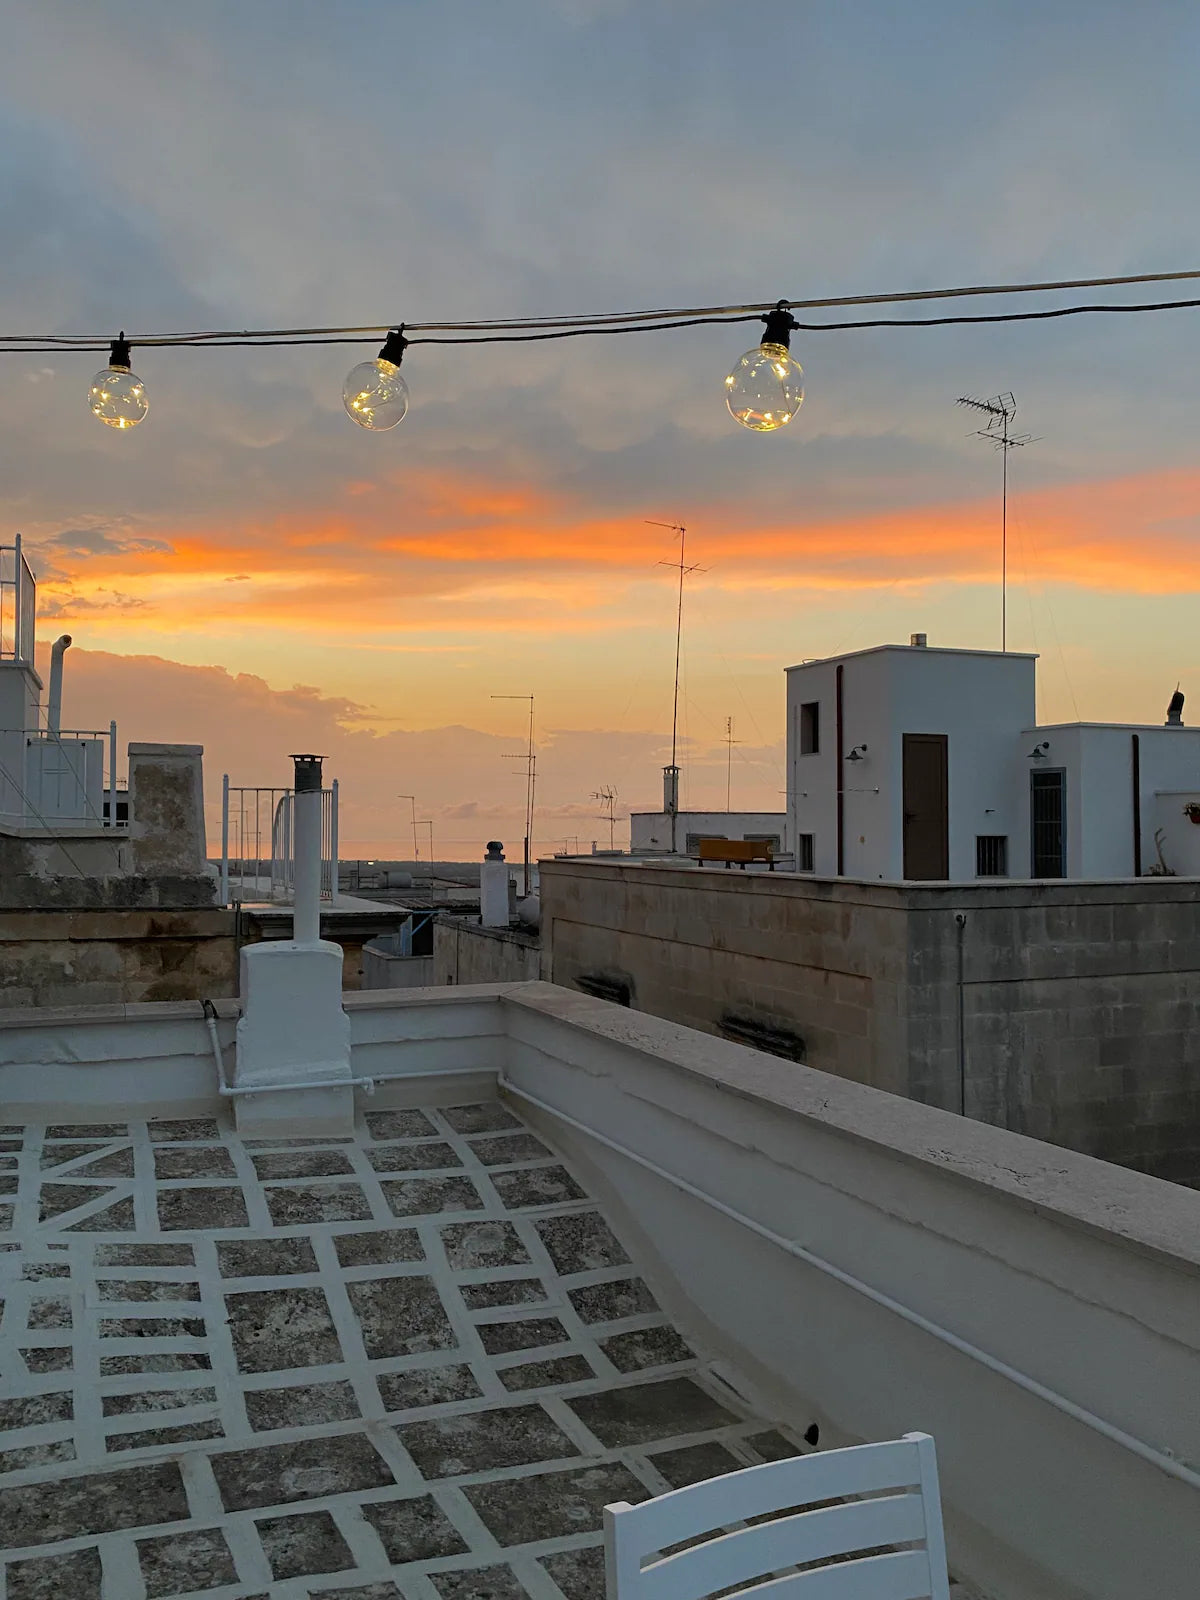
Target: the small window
pixel 692 848
pixel 810 727
pixel 991 855
pixel 804 854
pixel 764 838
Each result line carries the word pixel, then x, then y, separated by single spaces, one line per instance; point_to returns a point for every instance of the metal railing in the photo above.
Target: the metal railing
pixel 56 777
pixel 18 604
pixel 258 843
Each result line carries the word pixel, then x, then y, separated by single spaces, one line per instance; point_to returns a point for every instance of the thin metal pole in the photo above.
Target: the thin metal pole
pixel 1004 544
pixel 333 843
pixel 225 840
pixel 678 638
pixel 112 774
pixel 17 587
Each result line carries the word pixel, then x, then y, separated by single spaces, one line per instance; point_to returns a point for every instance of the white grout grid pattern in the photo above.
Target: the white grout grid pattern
pixel 416 1363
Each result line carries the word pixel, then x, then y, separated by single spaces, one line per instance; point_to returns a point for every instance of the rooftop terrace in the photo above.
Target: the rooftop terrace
pixel 572 1254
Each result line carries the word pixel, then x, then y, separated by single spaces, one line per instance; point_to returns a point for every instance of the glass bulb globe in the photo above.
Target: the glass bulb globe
pixel 375 395
pixel 766 388
pixel 118 397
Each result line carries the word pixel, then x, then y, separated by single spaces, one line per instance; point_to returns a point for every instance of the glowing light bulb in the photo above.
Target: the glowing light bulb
pixel 766 388
pixel 117 395
pixel 375 394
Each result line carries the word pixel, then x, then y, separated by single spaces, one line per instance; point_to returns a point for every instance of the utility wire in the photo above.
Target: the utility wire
pixel 633 322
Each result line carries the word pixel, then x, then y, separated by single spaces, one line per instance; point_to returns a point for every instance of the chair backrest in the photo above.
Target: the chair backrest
pixel 888 1495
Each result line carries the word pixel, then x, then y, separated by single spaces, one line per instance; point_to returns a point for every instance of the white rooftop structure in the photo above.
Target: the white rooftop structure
pixel 906 762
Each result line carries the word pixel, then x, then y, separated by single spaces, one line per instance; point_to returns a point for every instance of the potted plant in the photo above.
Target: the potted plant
pixel 1192 811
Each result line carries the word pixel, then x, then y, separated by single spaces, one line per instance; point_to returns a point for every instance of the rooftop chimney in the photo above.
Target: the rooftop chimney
pixel 1175 711
pixel 918 641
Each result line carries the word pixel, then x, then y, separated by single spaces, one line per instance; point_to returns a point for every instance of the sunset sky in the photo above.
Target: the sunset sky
pixel 249 571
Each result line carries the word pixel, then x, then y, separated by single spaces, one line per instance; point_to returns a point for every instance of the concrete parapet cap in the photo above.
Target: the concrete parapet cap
pixel 166 750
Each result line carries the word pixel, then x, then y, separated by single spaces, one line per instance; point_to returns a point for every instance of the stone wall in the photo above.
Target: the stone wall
pixel 166 808
pixel 466 952
pixel 108 957
pixel 1075 1016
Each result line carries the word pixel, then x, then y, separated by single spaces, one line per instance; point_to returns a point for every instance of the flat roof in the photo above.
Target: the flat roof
pixel 1115 727
pixel 913 649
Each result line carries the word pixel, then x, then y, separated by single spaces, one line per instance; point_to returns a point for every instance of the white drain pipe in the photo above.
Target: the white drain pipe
pixel 54 699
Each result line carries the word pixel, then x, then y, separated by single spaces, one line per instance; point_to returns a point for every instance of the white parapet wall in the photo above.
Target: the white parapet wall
pixel 849 1258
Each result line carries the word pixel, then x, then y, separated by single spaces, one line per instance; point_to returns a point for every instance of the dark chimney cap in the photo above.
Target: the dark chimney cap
pixel 308 773
pixel 495 850
pixel 1175 711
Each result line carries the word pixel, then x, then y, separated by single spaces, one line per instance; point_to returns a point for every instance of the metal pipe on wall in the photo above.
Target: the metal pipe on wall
pixel 54 698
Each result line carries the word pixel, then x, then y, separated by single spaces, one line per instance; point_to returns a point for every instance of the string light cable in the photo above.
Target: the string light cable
pixel 763 391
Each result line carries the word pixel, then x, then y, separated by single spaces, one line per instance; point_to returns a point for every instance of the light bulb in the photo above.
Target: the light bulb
pixel 766 388
pixel 117 395
pixel 375 394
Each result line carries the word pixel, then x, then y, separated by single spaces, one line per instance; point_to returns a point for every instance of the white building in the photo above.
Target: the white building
pixel 911 763
pixel 650 831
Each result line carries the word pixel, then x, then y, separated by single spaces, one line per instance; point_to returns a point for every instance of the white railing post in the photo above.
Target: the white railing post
pixel 333 843
pixel 225 840
pixel 112 774
pixel 17 588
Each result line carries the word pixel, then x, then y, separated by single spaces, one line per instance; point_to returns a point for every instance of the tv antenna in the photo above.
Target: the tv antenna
pixel 608 799
pixel 1000 410
pixel 730 741
pixel 530 760
pixel 684 571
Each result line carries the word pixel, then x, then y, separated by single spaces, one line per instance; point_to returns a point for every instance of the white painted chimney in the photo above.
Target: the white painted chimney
pixel 306 846
pixel 54 699
pixel 493 887
pixel 670 790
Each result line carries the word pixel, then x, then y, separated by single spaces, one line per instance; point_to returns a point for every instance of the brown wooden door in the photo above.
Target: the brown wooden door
pixel 926 806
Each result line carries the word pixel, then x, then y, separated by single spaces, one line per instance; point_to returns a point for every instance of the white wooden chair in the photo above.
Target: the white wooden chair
pixel 896 1502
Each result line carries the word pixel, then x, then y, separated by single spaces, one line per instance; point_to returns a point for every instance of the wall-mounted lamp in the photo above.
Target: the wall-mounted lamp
pixel 1038 753
pixel 858 753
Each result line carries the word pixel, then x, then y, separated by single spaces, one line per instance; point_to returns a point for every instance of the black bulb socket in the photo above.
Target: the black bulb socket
pixel 779 326
pixel 120 353
pixel 394 347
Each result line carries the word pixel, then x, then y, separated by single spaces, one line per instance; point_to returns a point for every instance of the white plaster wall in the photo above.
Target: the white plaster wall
pixel 651 830
pixel 980 700
pixel 1082 1276
pixel 1181 836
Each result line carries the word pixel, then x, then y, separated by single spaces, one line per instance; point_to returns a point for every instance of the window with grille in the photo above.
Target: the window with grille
pixel 804 853
pixel 1048 814
pixel 991 855
pixel 810 728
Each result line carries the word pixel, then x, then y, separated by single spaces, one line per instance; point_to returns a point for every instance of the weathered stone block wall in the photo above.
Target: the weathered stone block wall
pixel 72 958
pixel 166 808
pixel 1074 1018
pixel 466 952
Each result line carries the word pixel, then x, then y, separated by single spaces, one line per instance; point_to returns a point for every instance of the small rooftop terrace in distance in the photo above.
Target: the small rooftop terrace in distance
pixel 570 1254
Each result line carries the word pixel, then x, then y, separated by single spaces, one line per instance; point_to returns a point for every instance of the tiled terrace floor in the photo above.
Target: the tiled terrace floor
pixel 413 1364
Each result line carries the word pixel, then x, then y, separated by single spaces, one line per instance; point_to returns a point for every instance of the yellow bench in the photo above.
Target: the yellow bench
pixel 736 850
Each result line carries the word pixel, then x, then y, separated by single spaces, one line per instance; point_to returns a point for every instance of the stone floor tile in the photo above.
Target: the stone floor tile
pixel 187 1129
pixel 399 1125
pixel 427 1386
pixel 48 1358
pixel 264 1258
pixel 479 1583
pixel 426 1197
pixel 414 1530
pixel 59 1198
pixel 37 1271
pixel 114 1164
pixel 646 1347
pixel 98 1503
pixel 193 1161
pixel 277 1329
pixel 427 1156
pixel 88 1130
pixel 471 1245
pixel 48 1312
pixel 503 1292
pixel 300 1545
pixel 580 1241
pixel 8 1185
pixel 484 1441
pixel 6 1218
pixel 301 1405
pixel 536 1186
pixel 305 1469
pixel 145 1255
pixel 117 1218
pixel 54 1155
pixel 328 1163
pixel 202 1209
pixel 578 1573
pixel 530 1333
pixel 378 1247
pixel 317 1202
pixel 545 1374
pixel 487 1116
pixel 147 1290
pixel 164 1361
pixel 184 1562
pixel 551 1505
pixel 31 1410
pixel 400 1316
pixel 25 1457
pixel 772 1446
pixel 141 1400
pixel 66 1577
pixel 180 1433
pixel 386 1590
pixel 503 1149
pixel 151 1327
pixel 695 1463
pixel 649 1411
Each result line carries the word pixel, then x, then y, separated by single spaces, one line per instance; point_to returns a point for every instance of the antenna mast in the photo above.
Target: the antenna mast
pixel 530 760
pixel 730 741
pixel 684 571
pixel 1000 410
pixel 608 799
